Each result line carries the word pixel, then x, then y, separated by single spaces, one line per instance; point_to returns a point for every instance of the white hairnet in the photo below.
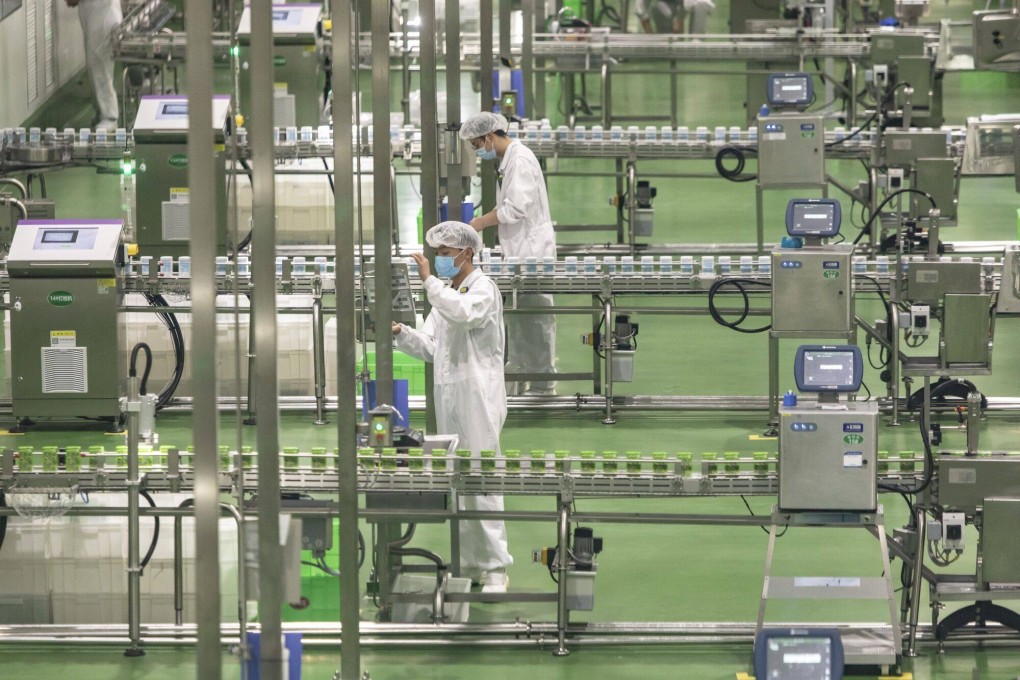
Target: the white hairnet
pixel 454 235
pixel 482 124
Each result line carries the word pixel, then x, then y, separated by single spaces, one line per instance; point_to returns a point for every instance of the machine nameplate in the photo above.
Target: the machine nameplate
pixel 962 476
pixel 853 427
pixel 853 459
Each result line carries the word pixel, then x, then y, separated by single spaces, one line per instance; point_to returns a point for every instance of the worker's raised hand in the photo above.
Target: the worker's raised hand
pixel 424 271
pixel 396 327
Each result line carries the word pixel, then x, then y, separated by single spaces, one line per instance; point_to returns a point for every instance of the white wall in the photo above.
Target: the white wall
pixel 67 60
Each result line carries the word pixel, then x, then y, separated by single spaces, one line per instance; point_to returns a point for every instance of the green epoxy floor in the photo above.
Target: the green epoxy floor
pixel 647 573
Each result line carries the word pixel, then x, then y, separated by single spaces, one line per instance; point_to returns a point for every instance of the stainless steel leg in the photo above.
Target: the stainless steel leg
pixel 562 544
pixel 134 569
pixel 607 342
pixel 318 349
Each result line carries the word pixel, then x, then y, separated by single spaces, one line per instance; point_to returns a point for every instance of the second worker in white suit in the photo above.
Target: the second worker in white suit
pixel 463 338
pixel 525 230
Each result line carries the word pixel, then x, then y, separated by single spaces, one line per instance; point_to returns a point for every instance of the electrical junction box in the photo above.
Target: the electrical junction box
pixel 827 457
pixel 791 151
pixel 812 292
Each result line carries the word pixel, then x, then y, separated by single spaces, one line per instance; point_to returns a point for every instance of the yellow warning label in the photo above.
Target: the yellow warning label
pixel 63 339
pixel 104 286
pixel 760 438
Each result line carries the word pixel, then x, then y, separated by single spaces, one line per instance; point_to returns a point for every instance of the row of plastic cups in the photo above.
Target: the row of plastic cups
pixel 627 264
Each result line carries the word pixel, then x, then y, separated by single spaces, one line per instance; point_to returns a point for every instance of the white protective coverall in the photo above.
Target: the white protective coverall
pixel 99 19
pixel 526 230
pixel 463 338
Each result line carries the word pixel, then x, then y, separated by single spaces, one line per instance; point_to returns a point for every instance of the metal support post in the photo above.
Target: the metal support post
pixel 133 484
pixel 894 359
pixel 527 57
pixel 759 205
pixel 486 104
pixel 619 196
pixel 607 342
pixel 455 167
pixel 383 217
pixel 920 520
pixel 562 548
pixel 263 308
pixel 318 349
pixel 252 415
pixel 631 204
pixel 773 425
pixel 607 95
pixel 430 162
pixel 915 586
pixel 205 423
pixel 346 355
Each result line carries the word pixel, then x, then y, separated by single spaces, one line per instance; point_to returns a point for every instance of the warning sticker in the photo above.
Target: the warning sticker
pixel 63 339
pixel 178 194
pixel 105 286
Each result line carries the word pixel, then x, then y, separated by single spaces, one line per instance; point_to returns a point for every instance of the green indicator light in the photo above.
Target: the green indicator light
pixel 235 50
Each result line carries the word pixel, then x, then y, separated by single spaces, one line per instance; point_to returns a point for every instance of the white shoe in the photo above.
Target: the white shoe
pixel 514 389
pixel 540 392
pixel 107 125
pixel 496 582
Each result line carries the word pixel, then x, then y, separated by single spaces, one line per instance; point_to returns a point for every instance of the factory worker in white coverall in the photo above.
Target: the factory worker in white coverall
pixel 99 19
pixel 525 230
pixel 463 338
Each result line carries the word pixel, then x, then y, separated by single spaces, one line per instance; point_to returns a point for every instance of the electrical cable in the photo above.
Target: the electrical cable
pixel 329 176
pixel 878 211
pixel 733 174
pixel 132 372
pixel 748 506
pixel 155 532
pixel 3 520
pixel 929 467
pixel 739 285
pixel 177 339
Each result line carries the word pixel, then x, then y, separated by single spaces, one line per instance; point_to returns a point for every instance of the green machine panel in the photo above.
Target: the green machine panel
pixel 65 299
pixel 299 80
pixel 161 193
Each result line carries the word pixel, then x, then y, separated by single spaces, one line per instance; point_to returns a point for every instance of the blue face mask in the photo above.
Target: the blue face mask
pixel 445 266
pixel 486 154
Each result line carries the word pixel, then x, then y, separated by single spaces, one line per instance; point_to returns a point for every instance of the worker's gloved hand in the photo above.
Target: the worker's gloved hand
pixel 424 271
pixel 396 328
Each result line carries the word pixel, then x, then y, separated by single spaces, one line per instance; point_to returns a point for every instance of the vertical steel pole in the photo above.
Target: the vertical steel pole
pixel 527 57
pixel 346 354
pixel 486 104
pixel 455 170
pixel 382 187
pixel 205 424
pixel 133 483
pixel 430 159
pixel 263 267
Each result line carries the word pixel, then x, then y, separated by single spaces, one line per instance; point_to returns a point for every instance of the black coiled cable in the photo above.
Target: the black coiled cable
pixel 739 285
pixel 732 174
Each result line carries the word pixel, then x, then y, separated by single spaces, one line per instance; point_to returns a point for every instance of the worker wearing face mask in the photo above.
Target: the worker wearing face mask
pixel 525 230
pixel 463 338
pixel 99 20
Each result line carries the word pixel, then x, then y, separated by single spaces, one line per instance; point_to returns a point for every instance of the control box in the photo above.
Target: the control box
pixel 812 292
pixel 827 457
pixel 791 151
